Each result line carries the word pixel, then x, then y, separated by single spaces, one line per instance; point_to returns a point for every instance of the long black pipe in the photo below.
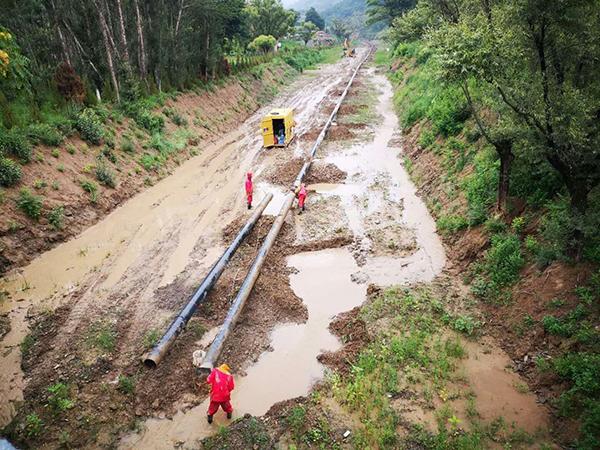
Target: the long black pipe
pixel 214 351
pixel 154 356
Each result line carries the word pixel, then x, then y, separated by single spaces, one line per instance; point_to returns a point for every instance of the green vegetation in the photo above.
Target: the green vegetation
pixel 56 217
pixel 33 425
pixel 90 126
pixel 43 133
pixel 103 336
pixel 151 338
pixel 105 176
pixel 59 399
pixel 10 172
pixel 91 188
pixel 126 384
pixel 30 204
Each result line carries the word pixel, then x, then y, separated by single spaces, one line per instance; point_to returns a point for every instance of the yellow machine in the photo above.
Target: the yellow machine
pixel 278 128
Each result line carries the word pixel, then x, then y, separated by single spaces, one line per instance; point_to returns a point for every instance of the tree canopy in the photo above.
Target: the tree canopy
pixel 313 16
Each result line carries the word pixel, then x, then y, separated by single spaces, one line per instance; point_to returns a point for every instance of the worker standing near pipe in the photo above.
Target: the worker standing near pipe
pixel 301 198
pixel 221 382
pixel 249 189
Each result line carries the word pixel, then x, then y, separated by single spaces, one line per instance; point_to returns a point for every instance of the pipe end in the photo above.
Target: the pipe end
pixel 205 369
pixel 149 361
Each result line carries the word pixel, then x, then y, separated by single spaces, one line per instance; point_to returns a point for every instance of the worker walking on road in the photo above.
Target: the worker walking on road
pixel 249 189
pixel 221 382
pixel 301 198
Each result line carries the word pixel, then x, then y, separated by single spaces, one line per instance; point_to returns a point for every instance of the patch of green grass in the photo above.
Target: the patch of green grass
pixel 151 338
pixel 105 176
pixel 27 345
pixel 33 425
pixel 45 134
pixel 55 153
pixel 103 336
pixel 451 224
pixel 126 384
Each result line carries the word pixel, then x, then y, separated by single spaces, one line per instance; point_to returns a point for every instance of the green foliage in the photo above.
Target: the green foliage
pixel 90 126
pixel 480 187
pixel 126 384
pixel 55 153
pixel 56 217
pixel 504 260
pixel 151 338
pixel 426 138
pixel 91 188
pixel 60 399
pixel 105 176
pixel 10 172
pixel 448 111
pixel 30 204
pixel 127 145
pixel 448 225
pixel 263 43
pixel 150 162
pixel 103 336
pixel 465 324
pixel 33 425
pixel 140 112
pixel 177 118
pixel 15 143
pixel 45 134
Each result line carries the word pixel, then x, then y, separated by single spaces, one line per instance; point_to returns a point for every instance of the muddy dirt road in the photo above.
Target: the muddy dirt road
pixel 148 241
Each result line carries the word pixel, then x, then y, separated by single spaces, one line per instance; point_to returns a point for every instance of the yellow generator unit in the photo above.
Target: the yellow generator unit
pixel 278 128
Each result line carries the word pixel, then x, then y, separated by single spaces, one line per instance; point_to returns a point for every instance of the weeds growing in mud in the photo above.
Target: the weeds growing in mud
pixel 103 336
pixel 91 188
pixel 126 384
pixel 33 425
pixel 151 338
pixel 59 399
pixel 56 217
pixel 30 204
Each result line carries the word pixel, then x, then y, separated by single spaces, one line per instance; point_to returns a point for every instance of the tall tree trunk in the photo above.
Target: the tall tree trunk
pixel 142 50
pixel 504 150
pixel 105 39
pixel 123 35
pixel 206 51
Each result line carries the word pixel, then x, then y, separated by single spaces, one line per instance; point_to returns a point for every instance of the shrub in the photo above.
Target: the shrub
pixel 45 134
pixel 10 172
pixel 71 149
pixel 150 162
pixel 33 425
pixel 55 153
pixel 105 176
pixel 503 260
pixel 426 138
pixel 451 224
pixel 55 217
pixel 448 112
pixel 108 154
pixel 59 397
pixel 480 187
pixel 126 384
pixel 556 228
pixel 127 145
pixel 30 204
pixel 91 188
pixel 89 126
pixel 15 143
pixel 151 122
pixel 495 225
pixel 263 43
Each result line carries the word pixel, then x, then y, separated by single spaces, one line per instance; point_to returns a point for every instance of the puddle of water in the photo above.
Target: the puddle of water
pixel 495 388
pixel 323 283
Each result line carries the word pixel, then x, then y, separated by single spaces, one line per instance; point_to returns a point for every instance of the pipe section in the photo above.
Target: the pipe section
pixel 214 351
pixel 154 356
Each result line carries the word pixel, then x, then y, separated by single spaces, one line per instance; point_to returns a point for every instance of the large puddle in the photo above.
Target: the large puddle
pixel 323 282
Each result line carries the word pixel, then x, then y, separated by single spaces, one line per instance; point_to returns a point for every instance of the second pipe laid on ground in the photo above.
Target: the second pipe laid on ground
pixel 153 357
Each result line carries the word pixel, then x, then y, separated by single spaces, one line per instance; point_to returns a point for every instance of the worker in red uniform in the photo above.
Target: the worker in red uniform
pixel 249 189
pixel 301 197
pixel 221 382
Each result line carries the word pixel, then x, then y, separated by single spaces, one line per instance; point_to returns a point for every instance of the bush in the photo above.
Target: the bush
pixel 145 119
pixel 15 143
pixel 55 217
pixel 556 228
pixel 90 126
pixel 59 399
pixel 426 138
pixel 449 111
pixel 263 43
pixel 127 145
pixel 91 188
pixel 105 176
pixel 30 204
pixel 451 224
pixel 45 134
pixel 33 425
pixel 481 187
pixel 10 172
pixel 126 384
pixel 150 162
pixel 69 84
pixel 503 261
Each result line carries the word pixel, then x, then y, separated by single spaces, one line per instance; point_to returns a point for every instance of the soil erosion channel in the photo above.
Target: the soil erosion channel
pixel 328 281
pixel 120 262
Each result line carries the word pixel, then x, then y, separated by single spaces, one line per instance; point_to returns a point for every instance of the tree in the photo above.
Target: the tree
pixel 339 28
pixel 263 43
pixel 313 16
pixel 306 31
pixel 386 10
pixel 539 63
pixel 269 17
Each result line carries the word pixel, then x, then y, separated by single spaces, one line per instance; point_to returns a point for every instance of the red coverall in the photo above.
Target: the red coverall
pixel 221 382
pixel 249 189
pixel 301 197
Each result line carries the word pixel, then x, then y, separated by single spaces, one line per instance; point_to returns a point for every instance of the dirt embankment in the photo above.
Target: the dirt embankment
pixel 56 175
